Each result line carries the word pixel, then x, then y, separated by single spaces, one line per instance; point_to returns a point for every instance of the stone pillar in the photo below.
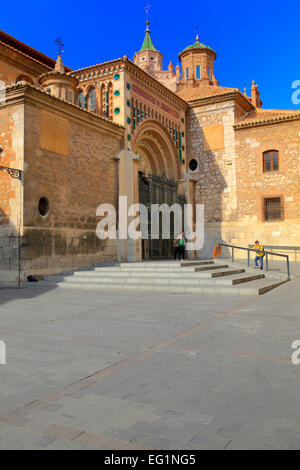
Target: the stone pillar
pixel 127 249
pixel 189 191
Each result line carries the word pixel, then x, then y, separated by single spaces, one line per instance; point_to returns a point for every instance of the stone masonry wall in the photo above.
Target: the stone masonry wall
pixel 253 184
pixel 230 181
pixel 210 141
pixel 71 164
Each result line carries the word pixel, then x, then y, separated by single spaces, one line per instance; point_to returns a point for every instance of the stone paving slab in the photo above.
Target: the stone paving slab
pixel 102 370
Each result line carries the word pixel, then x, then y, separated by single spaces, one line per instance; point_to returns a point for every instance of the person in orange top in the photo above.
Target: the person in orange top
pixel 259 255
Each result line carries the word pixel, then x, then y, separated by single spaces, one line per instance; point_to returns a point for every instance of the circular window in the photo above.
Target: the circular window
pixel 117 93
pixel 128 103
pixel 43 207
pixel 128 120
pixel 128 86
pixel 117 110
pixel 193 165
pixel 116 76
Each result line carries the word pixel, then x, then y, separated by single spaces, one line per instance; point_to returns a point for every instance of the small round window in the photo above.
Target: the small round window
pixel 43 207
pixel 193 165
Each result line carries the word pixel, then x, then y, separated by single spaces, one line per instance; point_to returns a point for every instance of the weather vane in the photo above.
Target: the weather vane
pixel 60 45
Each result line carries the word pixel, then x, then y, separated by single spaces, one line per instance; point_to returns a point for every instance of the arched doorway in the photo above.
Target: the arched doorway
pixel 159 175
pixel 153 143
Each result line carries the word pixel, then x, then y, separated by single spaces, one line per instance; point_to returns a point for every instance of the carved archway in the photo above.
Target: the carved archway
pixel 158 178
pixel 153 143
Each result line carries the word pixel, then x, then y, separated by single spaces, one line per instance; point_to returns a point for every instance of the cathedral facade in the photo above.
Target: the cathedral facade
pixel 71 140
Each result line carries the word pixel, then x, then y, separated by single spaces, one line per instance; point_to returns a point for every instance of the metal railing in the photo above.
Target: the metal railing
pixel 280 247
pixel 233 247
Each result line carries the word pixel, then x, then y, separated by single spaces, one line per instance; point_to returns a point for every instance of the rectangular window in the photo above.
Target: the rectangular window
pixel 209 72
pixel 70 96
pixel 270 161
pixel 198 72
pixel 186 73
pixel 272 208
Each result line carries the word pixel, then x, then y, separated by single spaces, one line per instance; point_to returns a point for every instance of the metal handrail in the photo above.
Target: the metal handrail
pixel 278 247
pixel 233 247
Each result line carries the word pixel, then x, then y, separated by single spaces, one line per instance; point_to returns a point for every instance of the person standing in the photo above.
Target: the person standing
pixel 259 255
pixel 181 245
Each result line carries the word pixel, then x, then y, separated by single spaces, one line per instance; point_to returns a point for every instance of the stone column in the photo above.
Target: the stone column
pixel 127 249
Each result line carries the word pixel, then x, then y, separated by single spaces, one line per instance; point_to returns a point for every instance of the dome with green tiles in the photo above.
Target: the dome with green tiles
pixel 197 45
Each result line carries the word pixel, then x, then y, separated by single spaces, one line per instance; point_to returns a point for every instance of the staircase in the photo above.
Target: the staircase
pixel 215 277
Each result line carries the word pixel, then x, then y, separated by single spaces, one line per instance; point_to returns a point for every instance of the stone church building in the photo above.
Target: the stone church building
pixel 71 140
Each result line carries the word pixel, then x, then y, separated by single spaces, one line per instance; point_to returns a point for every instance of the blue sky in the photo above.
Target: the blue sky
pixel 254 40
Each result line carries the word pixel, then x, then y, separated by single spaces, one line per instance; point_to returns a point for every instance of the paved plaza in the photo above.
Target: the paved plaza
pixel 112 370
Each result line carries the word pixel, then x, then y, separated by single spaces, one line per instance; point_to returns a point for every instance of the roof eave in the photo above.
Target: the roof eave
pixel 266 121
pixel 226 96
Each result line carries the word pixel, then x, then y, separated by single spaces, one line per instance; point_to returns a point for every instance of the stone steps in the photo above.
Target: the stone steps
pixel 169 277
pixel 162 269
pixel 119 273
pixel 178 280
pixel 256 288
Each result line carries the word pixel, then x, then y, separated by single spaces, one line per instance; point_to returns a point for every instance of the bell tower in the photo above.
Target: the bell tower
pixel 149 58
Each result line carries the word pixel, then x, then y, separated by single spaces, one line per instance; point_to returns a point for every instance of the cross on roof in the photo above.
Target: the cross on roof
pixel 147 8
pixel 60 45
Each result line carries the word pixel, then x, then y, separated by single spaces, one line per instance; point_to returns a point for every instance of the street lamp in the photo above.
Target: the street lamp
pixel 13 172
